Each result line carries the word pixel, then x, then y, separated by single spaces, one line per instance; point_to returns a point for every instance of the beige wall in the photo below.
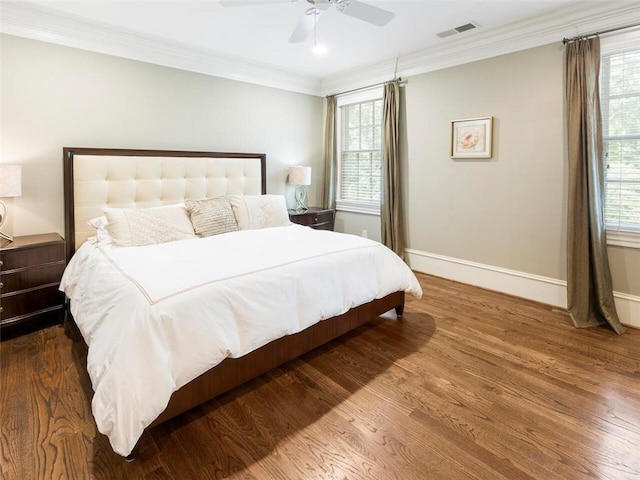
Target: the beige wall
pixel 625 270
pixel 508 211
pixel 54 96
pixel 359 224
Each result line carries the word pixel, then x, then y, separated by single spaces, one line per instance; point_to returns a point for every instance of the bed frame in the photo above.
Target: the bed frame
pixel 96 178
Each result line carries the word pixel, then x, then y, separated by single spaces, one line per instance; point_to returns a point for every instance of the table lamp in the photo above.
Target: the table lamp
pixel 10 186
pixel 300 176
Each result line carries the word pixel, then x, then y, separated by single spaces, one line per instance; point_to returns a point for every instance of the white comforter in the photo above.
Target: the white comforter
pixel 156 317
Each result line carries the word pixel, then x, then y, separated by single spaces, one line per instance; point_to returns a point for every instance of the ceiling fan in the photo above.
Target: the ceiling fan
pixel 353 8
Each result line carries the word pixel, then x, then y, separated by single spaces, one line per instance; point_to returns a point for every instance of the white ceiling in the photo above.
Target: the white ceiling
pixel 260 32
pixel 257 34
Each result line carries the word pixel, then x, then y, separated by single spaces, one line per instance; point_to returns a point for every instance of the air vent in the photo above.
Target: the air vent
pixel 447 33
pixel 462 28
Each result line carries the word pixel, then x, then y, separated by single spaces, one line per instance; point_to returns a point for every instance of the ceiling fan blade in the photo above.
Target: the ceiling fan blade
pixel 366 12
pixel 305 26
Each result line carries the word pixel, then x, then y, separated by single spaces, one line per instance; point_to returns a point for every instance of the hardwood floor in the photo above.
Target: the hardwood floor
pixel 469 384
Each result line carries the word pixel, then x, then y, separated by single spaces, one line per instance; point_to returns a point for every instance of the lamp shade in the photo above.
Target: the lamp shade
pixel 299 175
pixel 10 180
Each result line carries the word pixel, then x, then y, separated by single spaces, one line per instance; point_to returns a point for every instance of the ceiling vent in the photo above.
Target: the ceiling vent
pixel 462 28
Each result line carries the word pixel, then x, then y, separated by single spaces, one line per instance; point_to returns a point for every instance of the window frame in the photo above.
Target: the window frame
pixel 355 206
pixel 619 236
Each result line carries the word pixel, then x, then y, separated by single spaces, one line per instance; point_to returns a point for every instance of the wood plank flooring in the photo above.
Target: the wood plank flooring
pixel 470 384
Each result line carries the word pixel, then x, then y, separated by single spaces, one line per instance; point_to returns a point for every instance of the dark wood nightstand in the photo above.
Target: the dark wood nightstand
pixel 30 273
pixel 314 217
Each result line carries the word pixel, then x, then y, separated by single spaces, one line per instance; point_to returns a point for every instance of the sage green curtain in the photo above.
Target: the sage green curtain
pixel 329 156
pixel 391 214
pixel 589 291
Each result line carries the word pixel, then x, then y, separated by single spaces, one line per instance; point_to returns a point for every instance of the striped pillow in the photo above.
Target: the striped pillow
pixel 211 216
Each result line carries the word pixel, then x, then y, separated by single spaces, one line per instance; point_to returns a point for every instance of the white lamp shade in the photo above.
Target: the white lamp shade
pixel 10 180
pixel 300 175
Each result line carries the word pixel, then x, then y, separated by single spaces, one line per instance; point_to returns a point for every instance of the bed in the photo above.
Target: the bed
pixel 172 323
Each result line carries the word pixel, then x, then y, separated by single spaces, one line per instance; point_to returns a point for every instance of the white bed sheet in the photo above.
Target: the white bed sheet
pixel 156 317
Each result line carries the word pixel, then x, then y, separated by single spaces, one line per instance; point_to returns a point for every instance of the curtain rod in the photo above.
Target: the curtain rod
pixel 399 80
pixel 581 37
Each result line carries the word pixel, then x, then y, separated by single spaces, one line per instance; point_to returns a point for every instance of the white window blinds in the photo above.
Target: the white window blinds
pixel 620 101
pixel 359 127
pixel 361 151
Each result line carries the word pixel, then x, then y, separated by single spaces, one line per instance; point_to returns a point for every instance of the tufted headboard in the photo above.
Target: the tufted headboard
pixel 95 178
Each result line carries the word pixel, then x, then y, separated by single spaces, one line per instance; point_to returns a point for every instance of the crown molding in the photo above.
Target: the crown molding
pixel 578 19
pixel 33 21
pixel 36 22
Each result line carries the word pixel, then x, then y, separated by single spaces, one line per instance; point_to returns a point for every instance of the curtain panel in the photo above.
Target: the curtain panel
pixel 330 157
pixel 391 214
pixel 589 289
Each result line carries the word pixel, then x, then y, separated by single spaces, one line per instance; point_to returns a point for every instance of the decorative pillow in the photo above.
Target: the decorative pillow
pixel 103 237
pixel 147 226
pixel 211 216
pixel 260 211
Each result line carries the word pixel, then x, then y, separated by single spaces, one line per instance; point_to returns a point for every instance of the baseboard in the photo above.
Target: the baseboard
pixel 628 308
pixel 533 287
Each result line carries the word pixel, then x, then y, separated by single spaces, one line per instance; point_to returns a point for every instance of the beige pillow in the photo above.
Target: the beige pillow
pixel 147 226
pixel 211 216
pixel 260 211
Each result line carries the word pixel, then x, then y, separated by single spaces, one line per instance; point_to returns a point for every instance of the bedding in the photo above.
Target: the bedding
pixel 101 224
pixel 146 312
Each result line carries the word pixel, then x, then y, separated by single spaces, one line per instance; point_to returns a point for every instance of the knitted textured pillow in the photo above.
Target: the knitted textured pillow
pixel 211 216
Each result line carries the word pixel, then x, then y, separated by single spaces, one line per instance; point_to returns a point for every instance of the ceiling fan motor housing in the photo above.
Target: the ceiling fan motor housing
pixel 353 8
pixel 322 4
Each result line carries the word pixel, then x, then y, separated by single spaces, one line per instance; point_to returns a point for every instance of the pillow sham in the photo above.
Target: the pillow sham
pixel 148 226
pixel 259 211
pixel 211 216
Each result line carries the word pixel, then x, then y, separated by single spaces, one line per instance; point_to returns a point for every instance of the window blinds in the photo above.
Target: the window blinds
pixel 361 151
pixel 620 101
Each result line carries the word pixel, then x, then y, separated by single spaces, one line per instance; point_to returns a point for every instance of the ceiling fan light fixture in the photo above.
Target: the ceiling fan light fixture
pixel 320 49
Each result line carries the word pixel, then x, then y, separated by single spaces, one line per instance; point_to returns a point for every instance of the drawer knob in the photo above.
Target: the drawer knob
pixel 1 284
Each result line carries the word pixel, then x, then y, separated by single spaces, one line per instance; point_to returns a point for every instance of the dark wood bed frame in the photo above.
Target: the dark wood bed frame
pixel 233 371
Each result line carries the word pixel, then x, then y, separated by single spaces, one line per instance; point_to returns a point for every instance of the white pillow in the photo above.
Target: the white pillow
pixel 147 226
pixel 259 211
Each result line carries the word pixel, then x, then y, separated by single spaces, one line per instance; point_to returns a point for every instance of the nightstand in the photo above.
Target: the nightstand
pixel 30 273
pixel 314 217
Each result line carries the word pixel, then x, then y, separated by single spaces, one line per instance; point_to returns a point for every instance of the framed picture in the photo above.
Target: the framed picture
pixel 471 137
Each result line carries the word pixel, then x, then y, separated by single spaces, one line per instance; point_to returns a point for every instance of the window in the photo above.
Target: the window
pixel 620 101
pixel 359 132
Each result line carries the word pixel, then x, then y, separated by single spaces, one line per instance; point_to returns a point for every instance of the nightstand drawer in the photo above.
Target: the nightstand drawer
pixel 31 277
pixel 322 217
pixel 30 303
pixel 14 259
pixel 314 217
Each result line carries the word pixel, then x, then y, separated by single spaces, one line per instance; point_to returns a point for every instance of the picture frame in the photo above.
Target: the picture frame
pixel 472 138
